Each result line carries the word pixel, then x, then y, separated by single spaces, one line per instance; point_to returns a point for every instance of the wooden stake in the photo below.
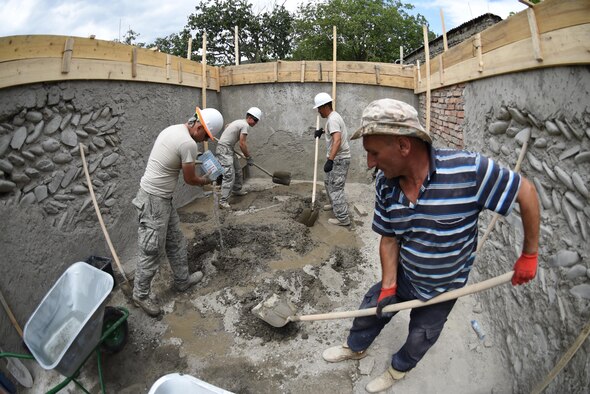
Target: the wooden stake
pixel 477 45
pixel 535 38
pixel 204 72
pixel 218 79
pixel 441 69
pixel 134 62
pixel 236 44
pixel 277 71
pixel 302 71
pixel 401 54
pixel 378 75
pixel 427 59
pixel 320 70
pixel 418 70
pixel 334 69
pixel 442 20
pixel 179 72
pixel 168 64
pixel 67 56
pixel 190 48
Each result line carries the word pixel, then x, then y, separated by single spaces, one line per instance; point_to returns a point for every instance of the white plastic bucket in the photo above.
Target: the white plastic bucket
pixel 210 165
pixel 175 383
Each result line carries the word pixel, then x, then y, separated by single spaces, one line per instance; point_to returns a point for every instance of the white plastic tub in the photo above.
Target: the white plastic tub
pixel 175 383
pixel 67 325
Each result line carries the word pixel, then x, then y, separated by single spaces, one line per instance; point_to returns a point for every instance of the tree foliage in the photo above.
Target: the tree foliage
pixel 367 30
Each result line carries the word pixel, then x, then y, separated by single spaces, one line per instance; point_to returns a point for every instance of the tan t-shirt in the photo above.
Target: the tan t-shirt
pixel 173 147
pixel 232 132
pixel 335 123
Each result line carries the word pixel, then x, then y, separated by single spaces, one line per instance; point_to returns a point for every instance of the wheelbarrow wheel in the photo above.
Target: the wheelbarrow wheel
pixel 118 338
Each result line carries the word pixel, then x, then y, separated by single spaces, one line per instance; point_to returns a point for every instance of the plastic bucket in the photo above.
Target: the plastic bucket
pixel 175 383
pixel 210 165
pixel 67 325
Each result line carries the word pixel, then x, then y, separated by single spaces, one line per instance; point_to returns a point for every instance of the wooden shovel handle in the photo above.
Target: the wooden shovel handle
pixel 450 295
pixel 10 315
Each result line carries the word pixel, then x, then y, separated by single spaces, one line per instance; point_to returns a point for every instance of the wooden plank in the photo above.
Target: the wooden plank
pixel 134 62
pixel 168 65
pixel 561 48
pixel 444 32
pixel 427 60
pixel 334 67
pixel 302 71
pixel 179 72
pixel 538 53
pixel 441 69
pixel 67 56
pixel 478 51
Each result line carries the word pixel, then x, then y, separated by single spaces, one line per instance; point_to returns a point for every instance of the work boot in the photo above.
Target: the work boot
pixel 239 192
pixel 337 222
pixel 192 280
pixel 385 381
pixel 149 306
pixel 335 354
pixel 327 207
pixel 224 205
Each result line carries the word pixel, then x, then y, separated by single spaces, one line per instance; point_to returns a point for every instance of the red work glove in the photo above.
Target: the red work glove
pixel 386 297
pixel 525 268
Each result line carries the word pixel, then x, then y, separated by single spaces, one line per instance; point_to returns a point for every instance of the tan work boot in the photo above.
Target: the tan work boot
pixel 337 222
pixel 385 381
pixel 224 205
pixel 327 207
pixel 239 192
pixel 149 306
pixel 335 354
pixel 192 280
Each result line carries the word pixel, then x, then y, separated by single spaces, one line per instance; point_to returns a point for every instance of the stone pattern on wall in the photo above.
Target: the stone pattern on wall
pixel 447 115
pixel 40 162
pixel 557 161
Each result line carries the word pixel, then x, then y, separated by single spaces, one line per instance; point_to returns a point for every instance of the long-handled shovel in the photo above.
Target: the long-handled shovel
pixel 278 312
pixel 280 177
pixel 309 216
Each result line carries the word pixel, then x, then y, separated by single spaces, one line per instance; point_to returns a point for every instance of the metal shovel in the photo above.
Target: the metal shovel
pixel 278 311
pixel 279 177
pixel 18 370
pixel 310 215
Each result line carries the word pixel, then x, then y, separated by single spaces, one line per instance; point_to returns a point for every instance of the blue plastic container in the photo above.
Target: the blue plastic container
pixel 210 165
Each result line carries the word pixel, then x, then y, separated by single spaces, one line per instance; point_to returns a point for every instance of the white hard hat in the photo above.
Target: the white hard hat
pixel 211 119
pixel 321 99
pixel 255 112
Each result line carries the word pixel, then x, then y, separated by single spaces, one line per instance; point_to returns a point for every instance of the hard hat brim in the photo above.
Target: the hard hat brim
pixel 202 122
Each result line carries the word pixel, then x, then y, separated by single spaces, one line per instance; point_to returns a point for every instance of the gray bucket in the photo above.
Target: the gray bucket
pixel 175 383
pixel 67 325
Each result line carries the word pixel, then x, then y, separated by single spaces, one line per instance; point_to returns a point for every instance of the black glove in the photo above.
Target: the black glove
pixel 250 161
pixel 318 133
pixel 386 297
pixel 329 165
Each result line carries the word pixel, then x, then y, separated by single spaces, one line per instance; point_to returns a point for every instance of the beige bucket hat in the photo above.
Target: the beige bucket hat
pixel 393 117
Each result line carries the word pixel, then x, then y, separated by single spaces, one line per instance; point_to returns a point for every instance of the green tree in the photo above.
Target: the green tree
pixel 367 30
pixel 130 37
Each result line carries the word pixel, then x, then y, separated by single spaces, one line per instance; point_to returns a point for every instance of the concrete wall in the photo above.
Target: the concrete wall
pixel 534 325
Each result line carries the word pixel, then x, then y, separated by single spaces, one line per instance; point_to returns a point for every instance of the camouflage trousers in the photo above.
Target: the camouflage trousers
pixel 232 175
pixel 159 232
pixel 334 183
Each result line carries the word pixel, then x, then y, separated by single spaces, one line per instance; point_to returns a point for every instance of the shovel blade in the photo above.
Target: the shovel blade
pixel 275 311
pixel 281 178
pixel 304 216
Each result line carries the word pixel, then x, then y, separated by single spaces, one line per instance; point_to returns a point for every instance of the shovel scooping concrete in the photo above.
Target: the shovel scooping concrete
pixel 310 215
pixel 278 311
pixel 279 177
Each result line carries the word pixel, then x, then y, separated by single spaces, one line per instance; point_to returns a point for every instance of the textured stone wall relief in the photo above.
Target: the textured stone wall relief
pixel 40 163
pixel 557 161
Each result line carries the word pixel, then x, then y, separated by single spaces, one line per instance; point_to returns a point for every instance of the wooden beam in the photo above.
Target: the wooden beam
pixel 179 72
pixel 302 71
pixel 236 44
pixel 418 69
pixel 204 72
pixel 335 39
pixel 427 58
pixel 478 51
pixel 134 62
pixel 535 40
pixel 67 56
pixel 441 69
pixel 190 48
pixel 377 75
pixel 444 32
pixel 276 65
pixel 168 65
pixel 218 89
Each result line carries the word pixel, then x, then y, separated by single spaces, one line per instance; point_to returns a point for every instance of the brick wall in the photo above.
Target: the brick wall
pixel 447 115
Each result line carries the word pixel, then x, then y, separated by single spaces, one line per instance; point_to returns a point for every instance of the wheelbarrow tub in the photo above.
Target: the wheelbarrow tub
pixel 67 325
pixel 173 383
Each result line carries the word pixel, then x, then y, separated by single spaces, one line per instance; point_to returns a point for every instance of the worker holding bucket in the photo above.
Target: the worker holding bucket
pixel 159 231
pixel 427 205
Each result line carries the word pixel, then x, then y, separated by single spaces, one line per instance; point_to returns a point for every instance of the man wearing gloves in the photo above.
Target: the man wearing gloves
pixel 159 230
pixel 337 159
pixel 427 206
pixel 232 176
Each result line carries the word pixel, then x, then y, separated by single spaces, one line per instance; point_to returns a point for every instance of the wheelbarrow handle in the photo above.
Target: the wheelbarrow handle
pixel 450 295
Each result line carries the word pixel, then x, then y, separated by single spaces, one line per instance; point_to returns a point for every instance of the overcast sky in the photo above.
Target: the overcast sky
pixel 111 19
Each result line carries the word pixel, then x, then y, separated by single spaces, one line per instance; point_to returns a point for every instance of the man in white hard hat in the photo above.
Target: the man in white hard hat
pixel 427 205
pixel 236 131
pixel 337 159
pixel 159 231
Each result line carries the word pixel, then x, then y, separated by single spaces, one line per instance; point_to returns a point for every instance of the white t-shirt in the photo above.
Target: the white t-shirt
pixel 173 147
pixel 232 132
pixel 335 123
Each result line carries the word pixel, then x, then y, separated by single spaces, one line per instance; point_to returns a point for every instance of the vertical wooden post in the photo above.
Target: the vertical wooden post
pixel 236 44
pixel 401 54
pixel 535 39
pixel 427 59
pixel 168 64
pixel 134 62
pixel 377 75
pixel 204 72
pixel 334 70
pixel 67 56
pixel 302 71
pixel 190 48
pixel 277 71
pixel 441 69
pixel 179 72
pixel 442 20
pixel 477 45
pixel 418 70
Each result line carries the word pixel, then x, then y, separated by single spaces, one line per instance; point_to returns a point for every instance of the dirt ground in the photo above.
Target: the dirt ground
pixel 260 249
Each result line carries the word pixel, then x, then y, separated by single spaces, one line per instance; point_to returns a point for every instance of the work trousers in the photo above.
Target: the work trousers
pixel 159 232
pixel 334 183
pixel 232 175
pixel 426 324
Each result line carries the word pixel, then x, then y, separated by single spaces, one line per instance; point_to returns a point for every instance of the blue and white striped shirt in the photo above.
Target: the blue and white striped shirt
pixel 437 235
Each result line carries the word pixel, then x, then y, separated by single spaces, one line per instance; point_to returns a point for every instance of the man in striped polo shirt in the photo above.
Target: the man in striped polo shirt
pixel 427 206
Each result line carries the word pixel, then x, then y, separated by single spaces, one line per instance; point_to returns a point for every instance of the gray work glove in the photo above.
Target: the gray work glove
pixel 250 161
